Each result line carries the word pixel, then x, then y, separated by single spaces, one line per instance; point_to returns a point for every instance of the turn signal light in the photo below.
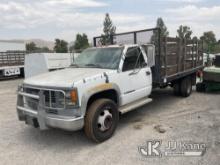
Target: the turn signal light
pixel 73 96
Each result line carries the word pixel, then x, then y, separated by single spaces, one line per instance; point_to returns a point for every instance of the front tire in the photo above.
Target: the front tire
pixel 101 120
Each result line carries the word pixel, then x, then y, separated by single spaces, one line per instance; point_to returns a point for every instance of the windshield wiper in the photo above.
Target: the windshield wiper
pixel 94 65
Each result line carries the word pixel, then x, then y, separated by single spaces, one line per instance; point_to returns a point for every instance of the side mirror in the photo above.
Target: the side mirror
pixel 150 52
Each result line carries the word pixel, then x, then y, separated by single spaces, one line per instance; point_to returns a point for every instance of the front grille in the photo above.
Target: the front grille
pixel 52 111
pixel 53 100
pixel 31 91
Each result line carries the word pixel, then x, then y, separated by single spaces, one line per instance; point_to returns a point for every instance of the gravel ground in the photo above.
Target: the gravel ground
pixel 168 118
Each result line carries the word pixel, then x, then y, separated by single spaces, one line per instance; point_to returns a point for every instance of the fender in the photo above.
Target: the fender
pixel 97 89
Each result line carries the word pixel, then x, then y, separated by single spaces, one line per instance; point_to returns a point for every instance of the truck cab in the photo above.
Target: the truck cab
pixel 101 83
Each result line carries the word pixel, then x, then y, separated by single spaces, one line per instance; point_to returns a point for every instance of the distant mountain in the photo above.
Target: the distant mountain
pixel 39 42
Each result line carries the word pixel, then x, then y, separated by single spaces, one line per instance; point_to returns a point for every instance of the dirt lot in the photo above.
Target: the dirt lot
pixel 195 119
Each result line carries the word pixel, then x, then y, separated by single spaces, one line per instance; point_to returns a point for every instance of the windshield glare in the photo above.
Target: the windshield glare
pixel 106 58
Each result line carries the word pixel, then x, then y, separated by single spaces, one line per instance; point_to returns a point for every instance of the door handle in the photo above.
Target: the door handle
pixel 148 73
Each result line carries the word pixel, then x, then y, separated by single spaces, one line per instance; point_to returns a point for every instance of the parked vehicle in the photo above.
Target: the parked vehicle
pixel 11 63
pixel 106 81
pixel 211 77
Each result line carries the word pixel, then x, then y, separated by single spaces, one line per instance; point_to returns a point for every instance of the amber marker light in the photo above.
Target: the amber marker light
pixel 73 96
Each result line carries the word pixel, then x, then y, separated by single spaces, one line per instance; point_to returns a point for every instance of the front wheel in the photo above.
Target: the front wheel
pixel 101 120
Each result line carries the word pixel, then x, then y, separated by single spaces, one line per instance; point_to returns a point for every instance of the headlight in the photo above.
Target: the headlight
pixel 54 99
pixel 72 98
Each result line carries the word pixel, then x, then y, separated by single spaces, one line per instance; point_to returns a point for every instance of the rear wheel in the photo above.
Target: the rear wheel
pixel 101 120
pixel 176 89
pixel 186 87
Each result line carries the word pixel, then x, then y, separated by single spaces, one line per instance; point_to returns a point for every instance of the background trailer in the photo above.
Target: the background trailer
pixel 11 58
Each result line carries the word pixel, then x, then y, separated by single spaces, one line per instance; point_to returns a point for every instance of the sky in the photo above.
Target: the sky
pixel 50 19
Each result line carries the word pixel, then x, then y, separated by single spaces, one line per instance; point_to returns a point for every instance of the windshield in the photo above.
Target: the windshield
pixel 106 58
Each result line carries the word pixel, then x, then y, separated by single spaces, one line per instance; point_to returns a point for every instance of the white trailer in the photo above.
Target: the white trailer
pixel 11 58
pixel 38 63
pixel 11 63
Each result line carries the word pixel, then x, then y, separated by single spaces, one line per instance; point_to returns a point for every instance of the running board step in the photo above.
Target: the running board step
pixel 136 104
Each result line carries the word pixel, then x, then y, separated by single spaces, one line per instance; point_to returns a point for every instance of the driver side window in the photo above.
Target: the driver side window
pixel 133 59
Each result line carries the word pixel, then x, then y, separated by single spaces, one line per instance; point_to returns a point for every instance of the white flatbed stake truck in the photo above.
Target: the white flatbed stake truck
pixel 102 83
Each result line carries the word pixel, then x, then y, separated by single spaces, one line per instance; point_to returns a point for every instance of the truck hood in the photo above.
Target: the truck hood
pixel 64 78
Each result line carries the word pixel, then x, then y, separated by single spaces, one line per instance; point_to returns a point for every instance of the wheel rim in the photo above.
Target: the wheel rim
pixel 105 120
pixel 189 88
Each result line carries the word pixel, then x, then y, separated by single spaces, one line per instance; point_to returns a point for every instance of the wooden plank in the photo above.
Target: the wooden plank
pixel 171 39
pixel 171 49
pixel 172 60
pixel 188 65
pixel 169 70
pixel 184 54
pixel 172 43
pixel 195 52
pixel 193 56
pixel 189 42
pixel 165 55
pixel 179 56
pixel 188 55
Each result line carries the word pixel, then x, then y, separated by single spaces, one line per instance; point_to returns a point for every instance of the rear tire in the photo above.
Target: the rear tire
pixel 101 120
pixel 186 87
pixel 176 89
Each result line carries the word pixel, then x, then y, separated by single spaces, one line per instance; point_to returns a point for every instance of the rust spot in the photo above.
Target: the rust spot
pixel 102 87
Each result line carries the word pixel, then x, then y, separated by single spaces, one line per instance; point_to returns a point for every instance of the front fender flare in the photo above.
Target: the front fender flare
pixel 97 89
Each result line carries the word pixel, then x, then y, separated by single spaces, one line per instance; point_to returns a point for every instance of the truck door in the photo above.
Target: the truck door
pixel 136 76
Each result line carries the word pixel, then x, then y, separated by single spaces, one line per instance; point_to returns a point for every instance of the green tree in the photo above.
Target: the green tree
pixel 209 37
pixel 45 49
pixel 184 32
pixel 81 42
pixel 209 41
pixel 160 24
pixel 61 46
pixel 195 38
pixel 31 47
pixel 109 30
pixel 163 33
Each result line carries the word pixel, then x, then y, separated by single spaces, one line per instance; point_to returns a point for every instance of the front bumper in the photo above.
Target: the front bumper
pixel 40 118
pixel 46 121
